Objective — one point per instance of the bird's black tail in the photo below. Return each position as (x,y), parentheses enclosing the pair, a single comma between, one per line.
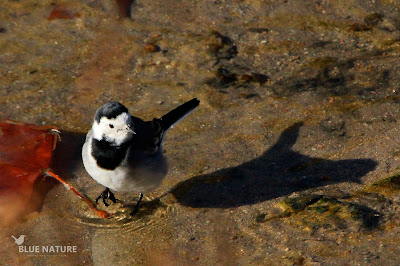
(176,115)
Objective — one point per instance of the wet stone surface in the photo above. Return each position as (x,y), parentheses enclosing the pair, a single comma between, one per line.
(292,157)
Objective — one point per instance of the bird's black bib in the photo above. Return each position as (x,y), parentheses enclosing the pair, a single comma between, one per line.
(107,155)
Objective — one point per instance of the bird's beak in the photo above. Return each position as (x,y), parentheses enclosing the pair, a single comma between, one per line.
(129,129)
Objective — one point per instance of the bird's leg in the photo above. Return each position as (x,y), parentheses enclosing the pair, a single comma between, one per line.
(137,204)
(139,200)
(106,194)
(112,197)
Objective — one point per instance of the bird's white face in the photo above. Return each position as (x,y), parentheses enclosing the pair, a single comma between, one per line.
(115,130)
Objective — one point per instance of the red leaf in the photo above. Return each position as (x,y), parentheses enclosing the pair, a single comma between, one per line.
(25,155)
(25,151)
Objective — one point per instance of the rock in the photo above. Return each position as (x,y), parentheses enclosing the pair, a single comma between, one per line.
(222,47)
(152,48)
(373,19)
(62,12)
(334,125)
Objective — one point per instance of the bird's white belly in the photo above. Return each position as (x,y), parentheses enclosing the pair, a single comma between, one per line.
(121,178)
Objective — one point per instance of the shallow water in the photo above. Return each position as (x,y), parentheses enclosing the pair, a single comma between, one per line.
(279,165)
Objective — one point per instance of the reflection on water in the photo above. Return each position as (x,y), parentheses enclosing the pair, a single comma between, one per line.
(151,212)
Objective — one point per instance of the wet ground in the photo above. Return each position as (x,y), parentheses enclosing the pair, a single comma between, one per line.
(292,157)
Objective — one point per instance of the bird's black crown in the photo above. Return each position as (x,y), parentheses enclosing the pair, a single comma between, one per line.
(110,110)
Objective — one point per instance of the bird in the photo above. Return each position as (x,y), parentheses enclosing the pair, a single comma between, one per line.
(125,153)
(19,240)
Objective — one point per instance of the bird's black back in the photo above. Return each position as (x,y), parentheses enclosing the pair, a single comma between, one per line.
(148,135)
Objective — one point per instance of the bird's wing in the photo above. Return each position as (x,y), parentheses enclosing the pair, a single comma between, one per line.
(148,135)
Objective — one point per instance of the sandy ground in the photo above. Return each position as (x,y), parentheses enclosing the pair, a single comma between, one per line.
(291,159)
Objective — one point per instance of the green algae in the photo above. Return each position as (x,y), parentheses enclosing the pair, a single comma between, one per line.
(299,203)
(316,211)
(387,186)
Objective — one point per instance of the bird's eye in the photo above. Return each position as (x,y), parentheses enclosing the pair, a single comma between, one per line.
(111,125)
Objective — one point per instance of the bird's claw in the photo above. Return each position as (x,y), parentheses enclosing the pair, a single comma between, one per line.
(106,194)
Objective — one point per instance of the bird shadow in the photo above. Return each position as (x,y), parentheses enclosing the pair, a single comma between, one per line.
(277,172)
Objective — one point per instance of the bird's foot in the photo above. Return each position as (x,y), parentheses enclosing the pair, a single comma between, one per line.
(106,194)
(136,208)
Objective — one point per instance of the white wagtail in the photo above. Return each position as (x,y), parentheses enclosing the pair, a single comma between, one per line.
(124,153)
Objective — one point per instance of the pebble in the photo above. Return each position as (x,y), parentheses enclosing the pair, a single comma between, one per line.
(152,48)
